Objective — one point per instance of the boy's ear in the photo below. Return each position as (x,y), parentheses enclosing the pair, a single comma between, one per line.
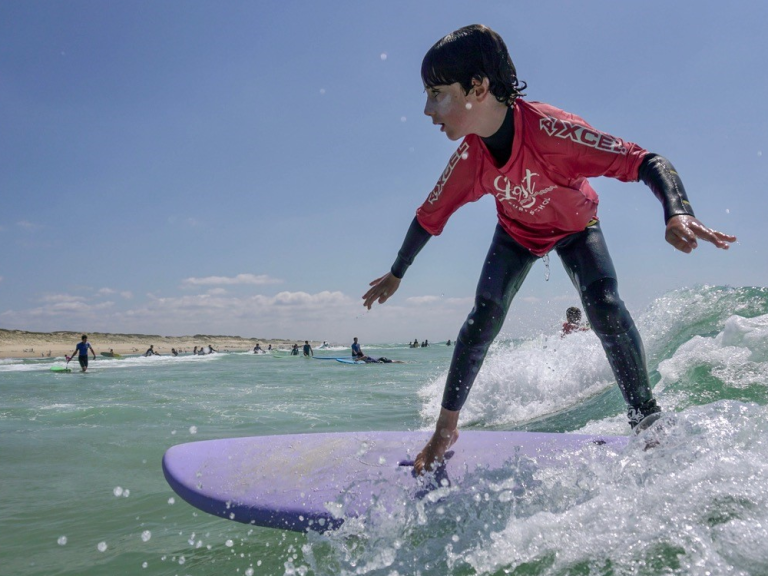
(481,87)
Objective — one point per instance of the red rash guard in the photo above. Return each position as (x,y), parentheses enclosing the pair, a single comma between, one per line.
(542,193)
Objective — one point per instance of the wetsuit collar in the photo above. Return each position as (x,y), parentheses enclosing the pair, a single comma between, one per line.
(499,144)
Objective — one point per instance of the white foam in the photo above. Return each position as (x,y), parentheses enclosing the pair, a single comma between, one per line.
(521,382)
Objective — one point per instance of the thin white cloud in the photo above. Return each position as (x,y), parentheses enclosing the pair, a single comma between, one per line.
(27,225)
(251,279)
(61,298)
(127,294)
(105,291)
(430,300)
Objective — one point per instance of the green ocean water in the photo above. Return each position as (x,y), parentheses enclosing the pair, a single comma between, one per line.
(82,490)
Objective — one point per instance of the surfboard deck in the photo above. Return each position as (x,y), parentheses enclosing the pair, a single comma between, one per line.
(306,482)
(60,369)
(111,355)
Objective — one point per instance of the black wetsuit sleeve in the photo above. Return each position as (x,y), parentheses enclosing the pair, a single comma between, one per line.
(415,240)
(661,177)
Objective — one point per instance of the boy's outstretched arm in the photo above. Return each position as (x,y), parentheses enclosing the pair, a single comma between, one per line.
(683,228)
(384,287)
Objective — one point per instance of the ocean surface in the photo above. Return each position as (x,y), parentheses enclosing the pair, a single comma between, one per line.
(82,490)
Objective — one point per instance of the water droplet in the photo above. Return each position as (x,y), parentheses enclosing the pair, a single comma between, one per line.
(383,56)
(146,535)
(403,119)
(171,500)
(117,491)
(62,541)
(193,429)
(468,105)
(102,546)
(229,543)
(249,572)
(144,564)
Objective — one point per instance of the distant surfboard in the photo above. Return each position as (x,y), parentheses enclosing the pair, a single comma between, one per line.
(60,369)
(111,354)
(314,481)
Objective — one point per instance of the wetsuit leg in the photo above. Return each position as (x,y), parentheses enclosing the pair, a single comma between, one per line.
(506,266)
(586,258)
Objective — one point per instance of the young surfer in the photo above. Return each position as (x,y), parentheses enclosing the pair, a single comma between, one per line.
(535,160)
(572,322)
(81,349)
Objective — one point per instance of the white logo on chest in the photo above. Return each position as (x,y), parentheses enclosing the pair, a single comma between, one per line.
(524,197)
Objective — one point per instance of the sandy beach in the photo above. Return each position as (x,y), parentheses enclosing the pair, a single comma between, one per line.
(22,344)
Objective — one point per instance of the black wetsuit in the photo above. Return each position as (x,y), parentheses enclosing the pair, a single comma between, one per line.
(588,263)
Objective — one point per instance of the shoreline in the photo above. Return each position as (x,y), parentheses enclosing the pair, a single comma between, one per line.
(23,344)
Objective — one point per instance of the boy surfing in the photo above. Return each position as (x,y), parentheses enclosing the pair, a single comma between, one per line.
(535,160)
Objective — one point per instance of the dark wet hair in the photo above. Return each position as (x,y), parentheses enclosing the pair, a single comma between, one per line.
(473,52)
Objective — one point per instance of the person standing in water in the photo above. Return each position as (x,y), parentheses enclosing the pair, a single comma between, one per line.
(81,349)
(535,160)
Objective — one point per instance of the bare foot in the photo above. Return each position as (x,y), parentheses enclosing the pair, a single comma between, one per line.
(432,455)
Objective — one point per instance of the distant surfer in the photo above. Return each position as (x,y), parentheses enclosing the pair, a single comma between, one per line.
(307,349)
(257,349)
(81,349)
(295,350)
(535,160)
(357,351)
(151,351)
(572,322)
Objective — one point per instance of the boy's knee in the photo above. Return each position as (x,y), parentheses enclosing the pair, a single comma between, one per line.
(605,309)
(483,323)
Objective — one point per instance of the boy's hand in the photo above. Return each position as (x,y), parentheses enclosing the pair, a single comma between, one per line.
(382,289)
(682,232)
(446,434)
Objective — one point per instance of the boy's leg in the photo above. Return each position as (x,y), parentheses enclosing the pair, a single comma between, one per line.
(586,258)
(506,266)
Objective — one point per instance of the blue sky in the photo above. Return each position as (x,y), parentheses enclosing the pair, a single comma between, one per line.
(248,167)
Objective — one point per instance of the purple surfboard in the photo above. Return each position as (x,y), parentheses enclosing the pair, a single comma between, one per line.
(314,481)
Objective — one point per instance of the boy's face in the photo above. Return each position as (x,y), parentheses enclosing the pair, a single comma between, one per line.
(450,108)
